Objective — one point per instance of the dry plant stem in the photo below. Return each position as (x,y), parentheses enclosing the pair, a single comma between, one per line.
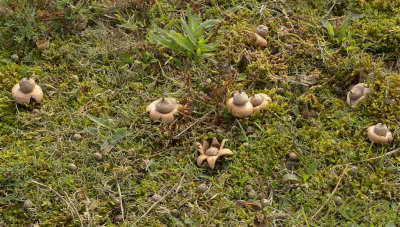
(332,194)
(344,171)
(70,206)
(157,202)
(120,200)
(198,120)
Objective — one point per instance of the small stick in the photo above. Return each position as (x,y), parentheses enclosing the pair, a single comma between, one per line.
(198,120)
(120,201)
(70,206)
(332,194)
(157,202)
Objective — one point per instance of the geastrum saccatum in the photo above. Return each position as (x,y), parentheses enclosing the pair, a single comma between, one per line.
(379,134)
(239,105)
(209,153)
(26,90)
(260,34)
(164,109)
(356,94)
(259,101)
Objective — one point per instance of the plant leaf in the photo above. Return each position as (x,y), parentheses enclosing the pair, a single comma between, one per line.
(204,25)
(183,42)
(100,121)
(188,32)
(312,168)
(119,134)
(165,42)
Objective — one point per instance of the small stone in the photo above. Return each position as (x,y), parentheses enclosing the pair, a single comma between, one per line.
(337,200)
(28,204)
(75,77)
(207,81)
(201,188)
(280,91)
(290,165)
(117,202)
(77,136)
(175,213)
(36,111)
(118,218)
(97,156)
(293,156)
(248,187)
(15,57)
(245,144)
(353,170)
(338,91)
(130,217)
(72,167)
(251,194)
(156,198)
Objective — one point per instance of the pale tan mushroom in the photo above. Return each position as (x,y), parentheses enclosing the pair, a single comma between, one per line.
(356,94)
(26,90)
(210,153)
(239,105)
(164,109)
(262,30)
(379,134)
(259,101)
(260,41)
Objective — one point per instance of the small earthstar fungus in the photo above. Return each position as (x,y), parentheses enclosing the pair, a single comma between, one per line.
(262,30)
(239,105)
(209,153)
(26,90)
(164,109)
(379,134)
(259,101)
(356,94)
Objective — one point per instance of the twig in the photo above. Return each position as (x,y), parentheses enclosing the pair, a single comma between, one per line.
(157,202)
(120,201)
(332,194)
(70,206)
(198,120)
(334,3)
(344,171)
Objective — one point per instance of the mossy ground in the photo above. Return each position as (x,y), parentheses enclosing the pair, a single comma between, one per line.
(107,70)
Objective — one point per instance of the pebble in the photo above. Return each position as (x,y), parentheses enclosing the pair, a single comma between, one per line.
(28,204)
(251,194)
(97,156)
(201,188)
(175,213)
(293,156)
(14,57)
(77,136)
(290,165)
(72,167)
(280,91)
(156,198)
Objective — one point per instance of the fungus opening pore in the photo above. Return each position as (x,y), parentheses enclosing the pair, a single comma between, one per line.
(380,129)
(212,151)
(164,106)
(27,85)
(240,98)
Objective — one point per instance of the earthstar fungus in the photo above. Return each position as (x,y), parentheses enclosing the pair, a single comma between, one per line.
(239,105)
(209,153)
(356,94)
(259,101)
(379,134)
(164,109)
(26,90)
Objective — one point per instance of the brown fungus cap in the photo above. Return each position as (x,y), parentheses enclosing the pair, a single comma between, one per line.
(239,105)
(379,134)
(26,90)
(209,153)
(356,94)
(164,109)
(259,101)
(262,30)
